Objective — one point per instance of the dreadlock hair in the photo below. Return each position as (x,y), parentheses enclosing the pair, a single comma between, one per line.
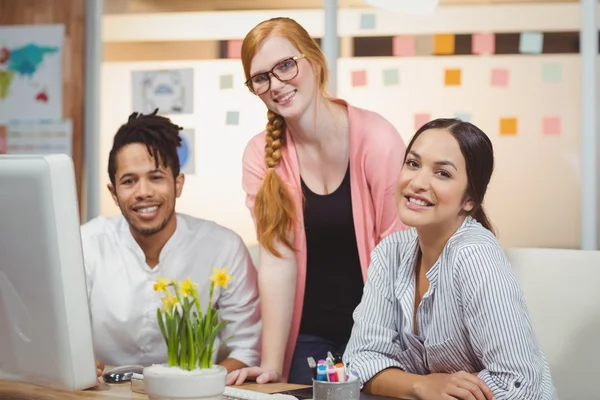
(157,133)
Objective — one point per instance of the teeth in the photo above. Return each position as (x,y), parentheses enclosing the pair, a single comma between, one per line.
(417,202)
(148,209)
(286,97)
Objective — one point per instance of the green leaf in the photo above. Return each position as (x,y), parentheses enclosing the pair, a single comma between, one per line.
(161,325)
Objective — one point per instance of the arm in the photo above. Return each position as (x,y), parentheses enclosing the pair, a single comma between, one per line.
(239,304)
(277,286)
(499,325)
(384,160)
(276,281)
(374,348)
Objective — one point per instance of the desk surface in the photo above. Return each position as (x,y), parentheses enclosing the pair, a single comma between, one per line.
(10,390)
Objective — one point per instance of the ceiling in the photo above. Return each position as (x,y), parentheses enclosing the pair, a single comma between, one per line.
(153,6)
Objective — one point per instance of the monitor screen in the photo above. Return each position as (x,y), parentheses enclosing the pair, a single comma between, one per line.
(45,330)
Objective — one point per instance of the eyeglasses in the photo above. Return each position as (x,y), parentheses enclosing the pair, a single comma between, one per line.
(284,71)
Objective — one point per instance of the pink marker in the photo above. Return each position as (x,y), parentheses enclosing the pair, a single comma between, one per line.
(332,375)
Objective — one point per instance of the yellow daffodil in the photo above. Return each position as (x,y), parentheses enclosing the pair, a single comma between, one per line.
(220,277)
(161,284)
(188,287)
(169,301)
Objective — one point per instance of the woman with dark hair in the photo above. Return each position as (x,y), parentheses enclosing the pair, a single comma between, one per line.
(442,315)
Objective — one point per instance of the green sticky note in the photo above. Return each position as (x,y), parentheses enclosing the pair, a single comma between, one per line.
(531,42)
(226,81)
(391,77)
(551,73)
(232,118)
(465,117)
(367,21)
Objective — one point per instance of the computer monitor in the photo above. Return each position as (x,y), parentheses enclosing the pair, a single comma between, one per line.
(45,329)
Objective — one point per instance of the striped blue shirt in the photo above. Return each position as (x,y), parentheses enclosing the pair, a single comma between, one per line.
(472,318)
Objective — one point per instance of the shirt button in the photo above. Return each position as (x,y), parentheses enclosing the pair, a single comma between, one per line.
(517,384)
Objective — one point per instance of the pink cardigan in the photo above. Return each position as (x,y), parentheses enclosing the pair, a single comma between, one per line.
(376,157)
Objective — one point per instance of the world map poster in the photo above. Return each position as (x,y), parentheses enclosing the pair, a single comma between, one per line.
(31,72)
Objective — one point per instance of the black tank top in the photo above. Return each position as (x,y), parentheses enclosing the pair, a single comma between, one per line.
(334,283)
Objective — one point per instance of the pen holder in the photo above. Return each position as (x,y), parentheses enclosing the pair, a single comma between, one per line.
(349,390)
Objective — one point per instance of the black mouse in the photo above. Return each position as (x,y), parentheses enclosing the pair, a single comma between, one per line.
(121,374)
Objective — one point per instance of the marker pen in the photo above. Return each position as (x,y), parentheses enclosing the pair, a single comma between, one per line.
(313,366)
(322,371)
(332,373)
(341,372)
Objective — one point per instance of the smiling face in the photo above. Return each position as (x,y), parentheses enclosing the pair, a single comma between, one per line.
(432,183)
(144,193)
(292,97)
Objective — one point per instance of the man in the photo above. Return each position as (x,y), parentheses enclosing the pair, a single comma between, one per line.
(124,255)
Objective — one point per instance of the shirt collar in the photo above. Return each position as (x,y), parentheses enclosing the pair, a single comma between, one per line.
(130,241)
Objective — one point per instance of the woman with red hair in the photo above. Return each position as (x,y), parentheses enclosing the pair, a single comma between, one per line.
(320,184)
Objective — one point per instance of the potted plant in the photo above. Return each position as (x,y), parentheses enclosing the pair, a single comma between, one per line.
(190,336)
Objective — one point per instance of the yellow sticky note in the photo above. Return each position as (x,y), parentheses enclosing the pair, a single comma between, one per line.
(508,126)
(453,77)
(443,44)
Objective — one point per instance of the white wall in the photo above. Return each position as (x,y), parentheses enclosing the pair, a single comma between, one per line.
(534,196)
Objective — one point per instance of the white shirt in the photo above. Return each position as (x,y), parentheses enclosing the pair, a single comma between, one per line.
(472,318)
(123,302)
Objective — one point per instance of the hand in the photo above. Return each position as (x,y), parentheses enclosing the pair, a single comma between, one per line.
(458,386)
(262,375)
(99,369)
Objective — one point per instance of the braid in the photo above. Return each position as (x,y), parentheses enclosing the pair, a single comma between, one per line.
(274,206)
(157,133)
(274,139)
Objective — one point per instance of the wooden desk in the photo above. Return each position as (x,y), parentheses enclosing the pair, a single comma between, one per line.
(10,390)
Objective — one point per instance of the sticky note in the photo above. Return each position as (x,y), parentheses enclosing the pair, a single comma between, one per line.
(453,77)
(234,49)
(391,77)
(359,78)
(499,77)
(465,117)
(551,73)
(443,44)
(531,42)
(2,139)
(483,43)
(367,21)
(508,126)
(551,126)
(424,45)
(232,118)
(421,119)
(403,46)
(226,81)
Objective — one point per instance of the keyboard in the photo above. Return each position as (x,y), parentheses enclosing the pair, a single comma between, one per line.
(232,393)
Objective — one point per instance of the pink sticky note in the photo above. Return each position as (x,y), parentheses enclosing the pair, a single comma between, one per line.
(421,119)
(483,43)
(499,77)
(234,49)
(2,139)
(404,46)
(359,78)
(551,126)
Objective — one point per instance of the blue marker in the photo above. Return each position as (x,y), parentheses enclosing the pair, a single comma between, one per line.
(322,371)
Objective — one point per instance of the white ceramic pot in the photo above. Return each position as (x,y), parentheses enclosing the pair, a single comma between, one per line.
(172,383)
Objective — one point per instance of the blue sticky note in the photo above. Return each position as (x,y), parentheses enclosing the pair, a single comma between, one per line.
(391,77)
(465,117)
(531,42)
(367,21)
(226,81)
(551,73)
(232,118)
